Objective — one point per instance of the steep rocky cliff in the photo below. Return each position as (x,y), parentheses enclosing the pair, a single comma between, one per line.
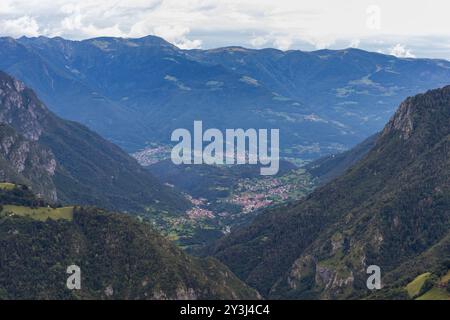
(26,162)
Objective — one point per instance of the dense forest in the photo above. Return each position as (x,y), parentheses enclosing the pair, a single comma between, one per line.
(120,258)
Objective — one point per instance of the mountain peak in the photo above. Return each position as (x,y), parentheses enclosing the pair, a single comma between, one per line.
(152,40)
(418,112)
(112,43)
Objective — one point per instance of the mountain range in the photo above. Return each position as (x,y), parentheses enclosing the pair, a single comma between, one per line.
(385,202)
(135,92)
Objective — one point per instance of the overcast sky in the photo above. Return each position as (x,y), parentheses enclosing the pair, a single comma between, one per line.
(407,28)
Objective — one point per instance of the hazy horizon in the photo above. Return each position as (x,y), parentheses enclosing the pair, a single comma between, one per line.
(404,28)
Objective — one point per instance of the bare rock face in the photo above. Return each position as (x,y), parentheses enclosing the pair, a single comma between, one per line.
(302,268)
(109,291)
(401,121)
(416,115)
(186,294)
(26,162)
(21,109)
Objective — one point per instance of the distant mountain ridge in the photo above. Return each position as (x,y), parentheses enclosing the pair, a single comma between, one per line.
(390,209)
(136,91)
(64,161)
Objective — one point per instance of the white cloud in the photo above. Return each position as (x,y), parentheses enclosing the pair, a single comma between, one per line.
(400,51)
(23,26)
(283,42)
(5,7)
(177,35)
(258,42)
(355,43)
(189,44)
(323,42)
(93,31)
(72,22)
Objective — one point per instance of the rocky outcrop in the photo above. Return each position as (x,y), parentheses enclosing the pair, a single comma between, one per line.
(20,108)
(26,162)
(402,121)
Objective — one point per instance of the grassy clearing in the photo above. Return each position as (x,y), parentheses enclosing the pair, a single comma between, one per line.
(435,294)
(7,186)
(41,214)
(445,279)
(414,286)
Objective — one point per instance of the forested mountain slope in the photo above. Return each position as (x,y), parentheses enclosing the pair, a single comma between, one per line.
(119,256)
(391,209)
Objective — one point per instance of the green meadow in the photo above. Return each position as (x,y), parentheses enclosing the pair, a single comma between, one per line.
(7,186)
(414,286)
(437,292)
(40,213)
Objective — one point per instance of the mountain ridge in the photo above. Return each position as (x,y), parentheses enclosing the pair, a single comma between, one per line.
(119,86)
